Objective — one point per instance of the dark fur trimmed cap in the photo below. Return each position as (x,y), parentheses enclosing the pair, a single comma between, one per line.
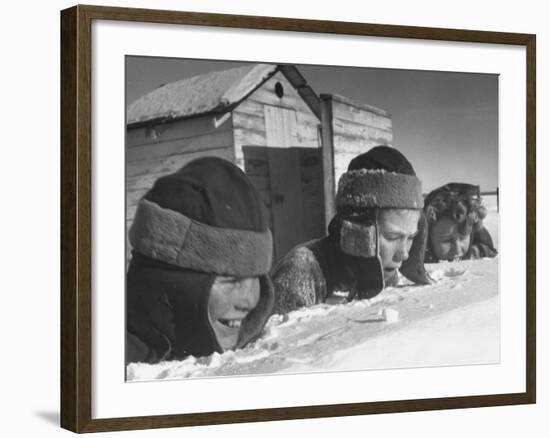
(381,177)
(205,220)
(383,158)
(207,217)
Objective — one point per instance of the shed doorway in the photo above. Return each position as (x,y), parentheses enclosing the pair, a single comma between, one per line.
(290,167)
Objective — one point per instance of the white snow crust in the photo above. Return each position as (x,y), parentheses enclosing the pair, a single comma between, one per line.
(454,321)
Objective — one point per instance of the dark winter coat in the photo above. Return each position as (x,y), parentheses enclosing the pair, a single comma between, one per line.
(310,273)
(167,312)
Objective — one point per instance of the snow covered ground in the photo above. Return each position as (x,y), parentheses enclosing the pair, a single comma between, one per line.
(454,321)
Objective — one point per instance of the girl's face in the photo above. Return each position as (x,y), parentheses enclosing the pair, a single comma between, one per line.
(446,241)
(231,300)
(397,229)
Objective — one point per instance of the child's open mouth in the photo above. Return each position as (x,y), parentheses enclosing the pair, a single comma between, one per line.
(232,323)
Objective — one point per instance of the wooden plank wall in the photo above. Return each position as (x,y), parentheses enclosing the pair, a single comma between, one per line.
(356,129)
(311,175)
(288,203)
(249,130)
(249,122)
(311,185)
(161,149)
(257,169)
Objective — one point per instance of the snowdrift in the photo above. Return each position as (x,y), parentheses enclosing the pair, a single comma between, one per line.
(454,321)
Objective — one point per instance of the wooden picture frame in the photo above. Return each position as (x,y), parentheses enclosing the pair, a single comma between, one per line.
(76,217)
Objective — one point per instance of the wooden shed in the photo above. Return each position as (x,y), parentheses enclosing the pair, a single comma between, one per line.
(291,143)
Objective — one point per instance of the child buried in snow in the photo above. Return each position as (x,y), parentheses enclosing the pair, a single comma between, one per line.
(379,228)
(197,282)
(455,215)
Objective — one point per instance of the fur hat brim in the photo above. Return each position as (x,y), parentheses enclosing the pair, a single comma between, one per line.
(364,188)
(173,238)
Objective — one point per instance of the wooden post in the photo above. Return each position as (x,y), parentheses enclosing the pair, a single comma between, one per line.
(328,156)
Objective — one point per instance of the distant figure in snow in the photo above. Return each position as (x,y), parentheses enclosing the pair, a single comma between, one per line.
(455,216)
(379,228)
(197,282)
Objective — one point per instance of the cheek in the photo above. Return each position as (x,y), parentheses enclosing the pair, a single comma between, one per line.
(218,303)
(250,292)
(386,249)
(465,244)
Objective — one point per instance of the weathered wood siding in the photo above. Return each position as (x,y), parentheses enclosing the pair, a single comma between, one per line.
(241,137)
(249,128)
(158,150)
(310,223)
(249,122)
(356,129)
(311,175)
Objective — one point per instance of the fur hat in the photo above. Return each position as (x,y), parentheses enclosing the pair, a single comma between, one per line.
(203,221)
(382,178)
(379,178)
(460,202)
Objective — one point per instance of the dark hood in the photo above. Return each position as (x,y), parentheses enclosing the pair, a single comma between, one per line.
(167,309)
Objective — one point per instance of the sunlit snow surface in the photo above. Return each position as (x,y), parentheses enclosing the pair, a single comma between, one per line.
(454,321)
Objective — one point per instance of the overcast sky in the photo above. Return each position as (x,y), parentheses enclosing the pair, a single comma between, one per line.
(446,124)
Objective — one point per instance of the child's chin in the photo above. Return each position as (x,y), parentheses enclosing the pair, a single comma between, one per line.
(227,337)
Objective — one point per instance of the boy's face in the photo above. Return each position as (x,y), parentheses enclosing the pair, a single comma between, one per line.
(396,230)
(230,301)
(446,240)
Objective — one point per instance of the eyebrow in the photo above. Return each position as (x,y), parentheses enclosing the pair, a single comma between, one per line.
(452,234)
(399,232)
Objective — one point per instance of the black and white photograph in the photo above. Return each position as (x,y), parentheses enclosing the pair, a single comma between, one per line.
(287,218)
(275,219)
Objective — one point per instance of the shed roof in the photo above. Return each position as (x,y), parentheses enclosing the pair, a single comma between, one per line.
(211,92)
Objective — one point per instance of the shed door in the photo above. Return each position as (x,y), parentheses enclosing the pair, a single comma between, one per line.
(280,125)
(284,175)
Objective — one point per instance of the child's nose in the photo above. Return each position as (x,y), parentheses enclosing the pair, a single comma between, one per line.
(457,248)
(402,253)
(247,295)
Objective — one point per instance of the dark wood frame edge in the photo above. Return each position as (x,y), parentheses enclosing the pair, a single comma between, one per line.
(76,165)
